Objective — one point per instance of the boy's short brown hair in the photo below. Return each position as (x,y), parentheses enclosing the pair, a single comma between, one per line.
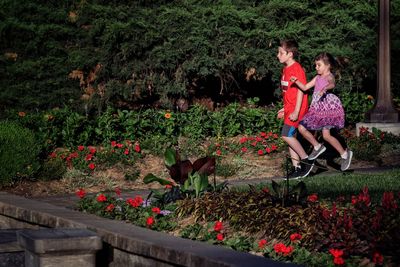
(290,46)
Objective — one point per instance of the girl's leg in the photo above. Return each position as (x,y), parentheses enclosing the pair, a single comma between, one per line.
(308,136)
(326,134)
(318,148)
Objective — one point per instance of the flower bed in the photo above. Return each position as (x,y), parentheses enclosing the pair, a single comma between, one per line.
(347,232)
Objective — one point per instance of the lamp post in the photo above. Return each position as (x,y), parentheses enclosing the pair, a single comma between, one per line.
(383,115)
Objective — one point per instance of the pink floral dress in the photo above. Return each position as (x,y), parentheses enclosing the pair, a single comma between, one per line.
(325,111)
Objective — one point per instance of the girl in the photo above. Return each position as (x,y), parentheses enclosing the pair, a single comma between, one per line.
(325,112)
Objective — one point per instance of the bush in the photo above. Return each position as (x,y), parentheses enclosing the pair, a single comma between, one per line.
(19,152)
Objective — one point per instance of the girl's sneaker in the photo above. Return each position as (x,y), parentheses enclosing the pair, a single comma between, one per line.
(316,153)
(345,164)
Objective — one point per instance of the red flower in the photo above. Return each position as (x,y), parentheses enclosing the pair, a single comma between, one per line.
(244,149)
(156,210)
(260,152)
(118,191)
(338,261)
(262,243)
(218,152)
(81,193)
(81,148)
(92,166)
(268,150)
(312,198)
(110,207)
(101,198)
(120,145)
(280,248)
(126,152)
(53,155)
(168,186)
(150,221)
(336,252)
(92,150)
(265,190)
(377,258)
(220,237)
(137,148)
(218,226)
(243,140)
(113,143)
(295,237)
(274,147)
(136,202)
(388,201)
(89,157)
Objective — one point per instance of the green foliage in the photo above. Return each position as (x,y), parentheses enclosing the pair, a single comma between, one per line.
(19,153)
(172,49)
(52,169)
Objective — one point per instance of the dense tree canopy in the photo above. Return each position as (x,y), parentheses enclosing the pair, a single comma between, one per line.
(125,53)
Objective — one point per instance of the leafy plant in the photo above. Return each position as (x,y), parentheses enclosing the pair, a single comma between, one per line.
(19,153)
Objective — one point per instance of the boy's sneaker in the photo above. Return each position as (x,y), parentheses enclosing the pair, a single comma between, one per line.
(296,174)
(306,167)
(316,153)
(345,163)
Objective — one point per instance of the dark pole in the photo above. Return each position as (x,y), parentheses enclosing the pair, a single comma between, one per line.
(383,110)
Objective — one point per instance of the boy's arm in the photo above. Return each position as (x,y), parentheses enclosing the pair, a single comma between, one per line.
(299,99)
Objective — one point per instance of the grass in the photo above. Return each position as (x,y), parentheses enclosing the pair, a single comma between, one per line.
(332,186)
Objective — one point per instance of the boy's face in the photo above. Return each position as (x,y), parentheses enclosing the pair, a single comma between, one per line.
(284,55)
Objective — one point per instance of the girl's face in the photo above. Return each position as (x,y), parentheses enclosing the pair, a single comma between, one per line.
(322,68)
(283,55)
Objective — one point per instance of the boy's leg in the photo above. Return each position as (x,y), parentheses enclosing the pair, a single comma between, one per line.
(296,151)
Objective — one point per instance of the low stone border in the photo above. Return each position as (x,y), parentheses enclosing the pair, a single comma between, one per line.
(124,244)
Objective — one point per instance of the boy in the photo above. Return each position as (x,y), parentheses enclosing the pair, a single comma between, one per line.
(295,105)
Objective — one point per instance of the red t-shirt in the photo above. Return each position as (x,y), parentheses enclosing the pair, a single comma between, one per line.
(289,92)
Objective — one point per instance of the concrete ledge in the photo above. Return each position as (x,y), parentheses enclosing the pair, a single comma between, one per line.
(393,128)
(149,245)
(58,240)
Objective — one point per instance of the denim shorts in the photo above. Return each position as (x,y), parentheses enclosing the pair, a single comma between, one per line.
(288,130)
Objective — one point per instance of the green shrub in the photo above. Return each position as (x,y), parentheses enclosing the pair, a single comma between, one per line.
(19,152)
(52,169)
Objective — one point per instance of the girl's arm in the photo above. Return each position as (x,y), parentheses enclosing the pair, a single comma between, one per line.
(301,85)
